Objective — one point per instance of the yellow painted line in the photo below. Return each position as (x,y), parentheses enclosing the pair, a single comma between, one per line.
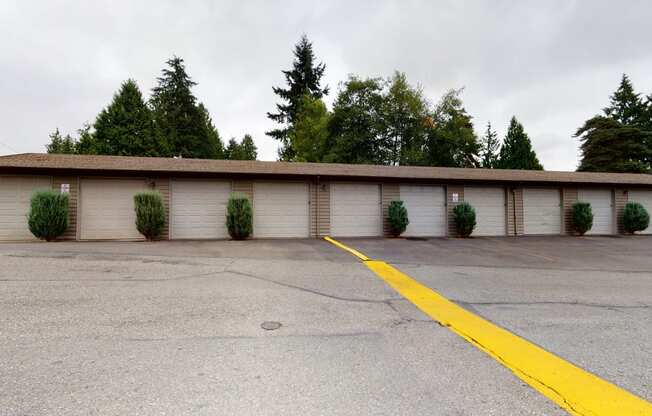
(579,392)
(346,248)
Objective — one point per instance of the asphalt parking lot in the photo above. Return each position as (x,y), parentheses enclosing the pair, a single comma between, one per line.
(175,327)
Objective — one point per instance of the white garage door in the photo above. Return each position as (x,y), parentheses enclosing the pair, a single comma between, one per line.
(107,208)
(489,204)
(15,195)
(355,210)
(281,209)
(645,199)
(426,207)
(198,208)
(602,207)
(541,211)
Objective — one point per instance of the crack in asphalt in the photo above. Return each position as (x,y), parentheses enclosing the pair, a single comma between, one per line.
(312,291)
(516,267)
(574,303)
(238,337)
(507,364)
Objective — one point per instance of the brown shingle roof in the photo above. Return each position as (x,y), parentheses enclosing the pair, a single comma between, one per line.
(98,164)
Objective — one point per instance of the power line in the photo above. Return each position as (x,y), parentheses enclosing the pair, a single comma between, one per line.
(9,147)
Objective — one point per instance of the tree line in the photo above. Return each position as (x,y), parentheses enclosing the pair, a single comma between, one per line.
(172,123)
(386,122)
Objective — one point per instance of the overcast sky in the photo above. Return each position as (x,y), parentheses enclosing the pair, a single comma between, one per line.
(553,64)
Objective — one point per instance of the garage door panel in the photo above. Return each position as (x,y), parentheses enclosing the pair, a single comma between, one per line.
(602,206)
(355,210)
(489,204)
(281,210)
(644,198)
(107,208)
(198,208)
(541,211)
(426,207)
(15,196)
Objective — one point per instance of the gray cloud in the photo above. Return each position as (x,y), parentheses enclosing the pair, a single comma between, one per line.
(552,64)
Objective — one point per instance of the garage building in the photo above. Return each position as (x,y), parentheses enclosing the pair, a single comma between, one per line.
(301,200)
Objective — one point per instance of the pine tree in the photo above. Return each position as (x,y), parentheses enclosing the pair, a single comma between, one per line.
(245,150)
(248,149)
(179,120)
(626,106)
(232,150)
(490,147)
(608,146)
(61,145)
(517,152)
(126,127)
(647,119)
(213,135)
(303,79)
(621,140)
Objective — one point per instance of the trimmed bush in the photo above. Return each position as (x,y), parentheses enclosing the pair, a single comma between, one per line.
(48,214)
(239,217)
(582,217)
(635,217)
(397,217)
(464,216)
(150,214)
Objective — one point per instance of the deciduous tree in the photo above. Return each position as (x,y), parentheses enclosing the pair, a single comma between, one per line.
(310,137)
(451,140)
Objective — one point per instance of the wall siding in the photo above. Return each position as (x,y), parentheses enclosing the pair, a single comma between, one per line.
(389,193)
(569,197)
(620,199)
(73,198)
(515,222)
(320,209)
(450,190)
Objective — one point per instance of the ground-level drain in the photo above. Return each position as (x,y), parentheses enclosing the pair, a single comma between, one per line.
(270,325)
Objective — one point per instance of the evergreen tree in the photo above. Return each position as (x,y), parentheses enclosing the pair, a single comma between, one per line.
(645,123)
(303,79)
(451,139)
(246,150)
(232,151)
(125,127)
(61,145)
(608,146)
(213,135)
(621,140)
(179,120)
(517,152)
(626,106)
(86,142)
(490,147)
